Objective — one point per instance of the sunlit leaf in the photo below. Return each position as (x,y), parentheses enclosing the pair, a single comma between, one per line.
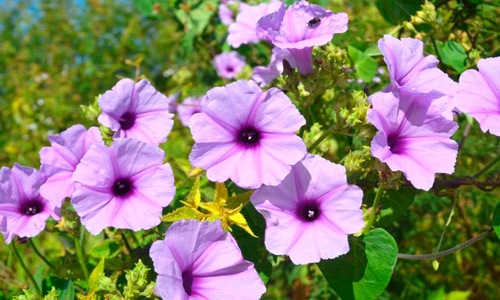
(365,271)
(98,270)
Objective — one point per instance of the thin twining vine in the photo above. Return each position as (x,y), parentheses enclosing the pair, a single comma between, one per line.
(446,252)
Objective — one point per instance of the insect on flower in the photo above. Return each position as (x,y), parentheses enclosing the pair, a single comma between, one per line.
(313,22)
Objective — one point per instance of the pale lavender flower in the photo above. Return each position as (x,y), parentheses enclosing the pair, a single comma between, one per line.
(59,161)
(310,214)
(479,94)
(413,137)
(123,186)
(23,211)
(198,260)
(246,135)
(410,70)
(265,75)
(136,110)
(172,103)
(299,28)
(188,107)
(226,16)
(243,31)
(229,64)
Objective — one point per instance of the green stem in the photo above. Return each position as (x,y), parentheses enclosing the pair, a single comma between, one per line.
(486,168)
(436,47)
(31,278)
(319,140)
(81,259)
(446,252)
(125,241)
(42,257)
(378,196)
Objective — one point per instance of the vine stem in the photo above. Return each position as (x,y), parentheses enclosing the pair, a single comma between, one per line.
(378,196)
(320,139)
(81,259)
(125,242)
(446,252)
(31,278)
(42,257)
(485,169)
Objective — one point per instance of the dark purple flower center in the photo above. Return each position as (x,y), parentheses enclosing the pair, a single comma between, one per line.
(127,120)
(308,211)
(230,69)
(395,144)
(249,136)
(187,281)
(31,207)
(122,187)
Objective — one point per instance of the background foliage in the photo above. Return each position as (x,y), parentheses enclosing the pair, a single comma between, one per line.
(58,55)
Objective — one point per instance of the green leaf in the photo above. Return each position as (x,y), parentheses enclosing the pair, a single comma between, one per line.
(182,213)
(453,55)
(68,292)
(457,295)
(397,11)
(99,269)
(366,66)
(365,271)
(106,249)
(437,294)
(496,220)
(395,203)
(237,200)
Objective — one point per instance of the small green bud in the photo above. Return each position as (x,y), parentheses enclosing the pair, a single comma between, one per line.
(302,90)
(137,282)
(93,110)
(28,295)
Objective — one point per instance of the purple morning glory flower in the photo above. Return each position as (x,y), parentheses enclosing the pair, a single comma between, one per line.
(310,214)
(299,28)
(265,75)
(136,110)
(229,64)
(123,186)
(413,137)
(410,70)
(479,94)
(225,14)
(23,211)
(188,107)
(246,135)
(243,31)
(59,161)
(198,260)
(172,103)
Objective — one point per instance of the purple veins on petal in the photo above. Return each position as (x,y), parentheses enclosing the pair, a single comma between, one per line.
(479,94)
(413,137)
(136,110)
(23,212)
(246,135)
(299,28)
(197,260)
(411,71)
(243,30)
(310,214)
(124,186)
(59,161)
